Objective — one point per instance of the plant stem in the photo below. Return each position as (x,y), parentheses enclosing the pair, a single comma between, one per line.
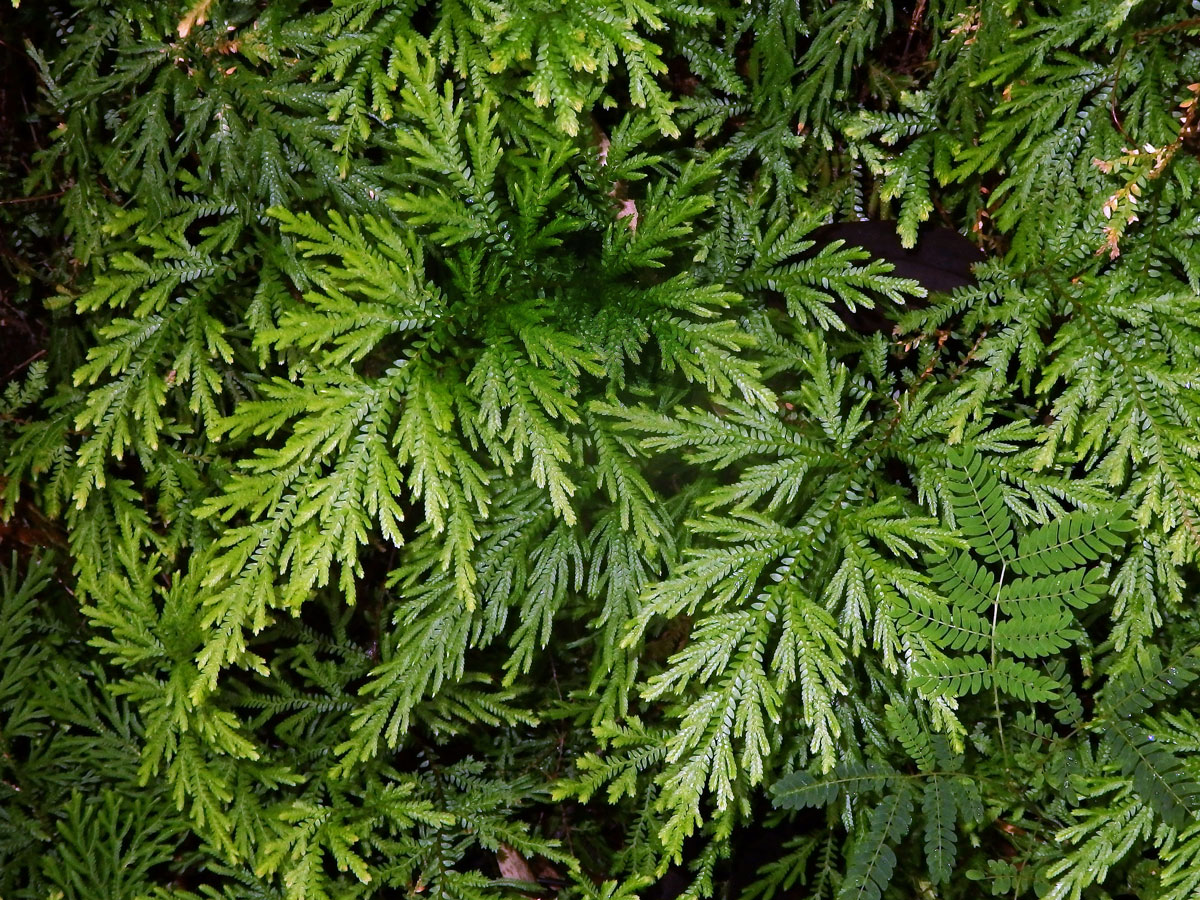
(992,664)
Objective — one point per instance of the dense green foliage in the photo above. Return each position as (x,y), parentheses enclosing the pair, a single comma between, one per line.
(469,470)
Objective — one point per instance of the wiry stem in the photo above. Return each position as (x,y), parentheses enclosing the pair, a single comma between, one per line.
(992,662)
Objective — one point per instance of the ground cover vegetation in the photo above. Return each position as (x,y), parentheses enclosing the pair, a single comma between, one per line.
(442,457)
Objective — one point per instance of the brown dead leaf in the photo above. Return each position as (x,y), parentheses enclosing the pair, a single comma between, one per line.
(627,209)
(548,875)
(513,865)
(602,146)
(194,17)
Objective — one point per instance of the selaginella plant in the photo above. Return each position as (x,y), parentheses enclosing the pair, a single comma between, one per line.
(474,477)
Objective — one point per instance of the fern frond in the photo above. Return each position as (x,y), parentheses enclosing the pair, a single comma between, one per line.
(939,812)
(1024,682)
(1078,588)
(872,861)
(800,789)
(1148,681)
(1159,776)
(913,738)
(954,677)
(1036,634)
(1070,541)
(947,627)
(969,585)
(979,506)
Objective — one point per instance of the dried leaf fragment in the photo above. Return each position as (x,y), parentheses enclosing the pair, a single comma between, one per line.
(194,17)
(628,209)
(513,865)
